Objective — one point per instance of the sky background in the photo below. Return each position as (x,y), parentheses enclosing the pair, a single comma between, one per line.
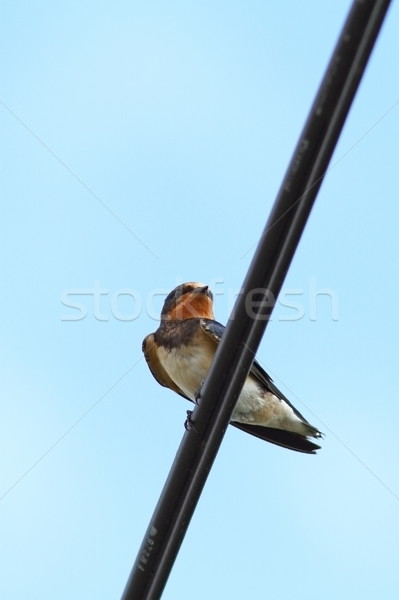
(143,146)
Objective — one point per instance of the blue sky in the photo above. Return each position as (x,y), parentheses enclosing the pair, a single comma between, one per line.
(143,146)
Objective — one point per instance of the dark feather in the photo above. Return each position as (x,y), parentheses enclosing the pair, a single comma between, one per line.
(293,441)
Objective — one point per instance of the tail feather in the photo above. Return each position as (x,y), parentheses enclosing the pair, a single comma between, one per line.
(287,439)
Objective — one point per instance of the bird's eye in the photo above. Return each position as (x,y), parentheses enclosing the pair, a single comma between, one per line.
(186,289)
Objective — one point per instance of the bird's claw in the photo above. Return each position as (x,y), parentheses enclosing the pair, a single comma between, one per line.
(188,424)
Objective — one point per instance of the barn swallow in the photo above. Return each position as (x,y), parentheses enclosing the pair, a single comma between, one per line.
(180,353)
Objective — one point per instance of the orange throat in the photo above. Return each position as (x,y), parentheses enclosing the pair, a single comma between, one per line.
(195,306)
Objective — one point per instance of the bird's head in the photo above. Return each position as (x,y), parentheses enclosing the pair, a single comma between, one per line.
(188,301)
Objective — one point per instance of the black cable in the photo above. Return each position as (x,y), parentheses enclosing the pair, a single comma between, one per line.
(256,301)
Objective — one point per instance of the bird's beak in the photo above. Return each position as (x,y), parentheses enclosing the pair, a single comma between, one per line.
(204,289)
(201,290)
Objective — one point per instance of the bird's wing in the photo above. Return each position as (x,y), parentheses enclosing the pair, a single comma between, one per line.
(293,441)
(159,373)
(215,331)
(267,381)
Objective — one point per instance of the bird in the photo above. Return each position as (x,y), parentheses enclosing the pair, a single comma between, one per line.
(179,354)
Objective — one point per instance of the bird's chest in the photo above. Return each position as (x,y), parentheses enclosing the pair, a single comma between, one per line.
(187,366)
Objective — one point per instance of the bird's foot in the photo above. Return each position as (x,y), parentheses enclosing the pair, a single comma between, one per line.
(188,424)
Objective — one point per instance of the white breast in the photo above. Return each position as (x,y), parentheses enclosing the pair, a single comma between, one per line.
(188,370)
